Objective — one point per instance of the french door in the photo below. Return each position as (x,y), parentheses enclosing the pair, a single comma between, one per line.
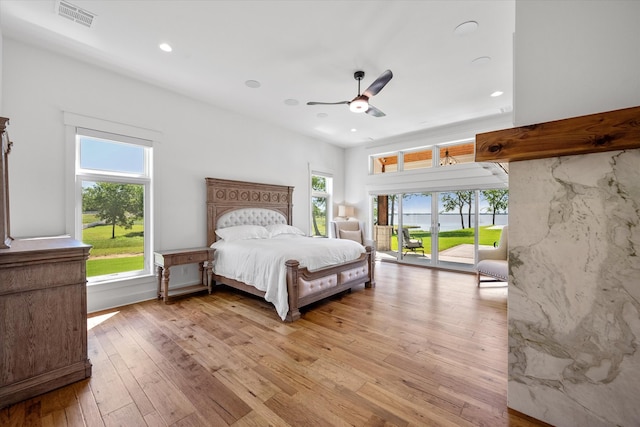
(435,229)
(457,229)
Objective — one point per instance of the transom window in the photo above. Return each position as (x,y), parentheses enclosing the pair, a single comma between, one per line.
(423,158)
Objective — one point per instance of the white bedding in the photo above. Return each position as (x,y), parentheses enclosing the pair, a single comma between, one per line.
(261,262)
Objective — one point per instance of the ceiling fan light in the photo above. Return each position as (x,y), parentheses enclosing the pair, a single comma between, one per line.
(359,105)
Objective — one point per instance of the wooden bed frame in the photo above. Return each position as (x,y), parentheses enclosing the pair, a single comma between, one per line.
(224,196)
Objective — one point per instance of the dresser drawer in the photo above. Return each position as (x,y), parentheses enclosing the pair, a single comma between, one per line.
(41,276)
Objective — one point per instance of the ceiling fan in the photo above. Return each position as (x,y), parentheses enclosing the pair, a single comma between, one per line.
(360,104)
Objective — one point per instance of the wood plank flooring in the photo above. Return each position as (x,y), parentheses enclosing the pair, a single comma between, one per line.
(424,347)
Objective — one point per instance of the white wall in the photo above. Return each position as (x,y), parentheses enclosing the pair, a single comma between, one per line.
(573,290)
(198,141)
(574,58)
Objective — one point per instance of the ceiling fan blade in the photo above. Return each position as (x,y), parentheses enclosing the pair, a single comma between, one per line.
(378,84)
(373,111)
(327,103)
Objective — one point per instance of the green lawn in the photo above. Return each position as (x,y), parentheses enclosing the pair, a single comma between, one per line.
(127,242)
(89,218)
(449,239)
(104,266)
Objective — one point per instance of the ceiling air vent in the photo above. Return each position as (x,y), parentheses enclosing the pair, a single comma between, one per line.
(75,13)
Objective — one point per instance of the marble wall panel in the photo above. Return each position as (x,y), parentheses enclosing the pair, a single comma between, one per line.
(574,290)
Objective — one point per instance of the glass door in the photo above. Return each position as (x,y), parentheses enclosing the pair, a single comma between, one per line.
(456,231)
(415,228)
(439,228)
(385,217)
(493,216)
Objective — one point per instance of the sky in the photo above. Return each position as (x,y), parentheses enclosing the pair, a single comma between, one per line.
(111,156)
(422,204)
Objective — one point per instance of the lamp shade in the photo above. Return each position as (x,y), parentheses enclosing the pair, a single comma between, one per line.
(345,211)
(350,211)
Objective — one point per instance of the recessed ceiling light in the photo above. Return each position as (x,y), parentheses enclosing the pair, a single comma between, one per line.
(465,28)
(354,130)
(497,93)
(322,115)
(291,102)
(165,47)
(254,84)
(482,60)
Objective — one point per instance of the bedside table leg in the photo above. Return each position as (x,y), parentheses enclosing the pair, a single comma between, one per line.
(159,273)
(165,284)
(209,271)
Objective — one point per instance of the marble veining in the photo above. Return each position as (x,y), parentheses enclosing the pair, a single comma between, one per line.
(574,291)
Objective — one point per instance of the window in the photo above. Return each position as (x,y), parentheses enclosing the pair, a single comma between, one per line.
(419,159)
(321,189)
(422,158)
(113,193)
(385,163)
(456,154)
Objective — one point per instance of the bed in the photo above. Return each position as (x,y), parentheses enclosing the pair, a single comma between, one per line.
(248,207)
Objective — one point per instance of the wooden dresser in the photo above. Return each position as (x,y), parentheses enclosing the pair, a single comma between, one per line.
(43,317)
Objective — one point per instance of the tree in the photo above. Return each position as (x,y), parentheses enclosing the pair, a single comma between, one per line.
(392,208)
(468,198)
(457,200)
(392,205)
(115,204)
(498,201)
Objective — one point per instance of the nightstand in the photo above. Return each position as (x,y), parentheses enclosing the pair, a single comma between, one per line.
(164,260)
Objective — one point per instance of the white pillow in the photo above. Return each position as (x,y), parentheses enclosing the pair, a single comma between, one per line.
(276,229)
(242,232)
(356,235)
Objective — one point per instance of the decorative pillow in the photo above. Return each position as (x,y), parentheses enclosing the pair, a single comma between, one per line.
(276,229)
(348,225)
(356,236)
(242,232)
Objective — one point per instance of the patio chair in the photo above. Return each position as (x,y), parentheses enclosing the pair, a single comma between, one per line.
(409,244)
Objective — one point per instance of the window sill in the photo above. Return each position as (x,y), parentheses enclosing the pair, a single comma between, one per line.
(121,281)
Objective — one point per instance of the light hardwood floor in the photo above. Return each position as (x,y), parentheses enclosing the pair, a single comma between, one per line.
(424,347)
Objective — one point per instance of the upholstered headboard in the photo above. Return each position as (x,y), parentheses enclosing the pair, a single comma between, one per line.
(252,216)
(249,200)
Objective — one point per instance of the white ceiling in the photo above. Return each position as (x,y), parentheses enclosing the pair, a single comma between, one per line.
(301,50)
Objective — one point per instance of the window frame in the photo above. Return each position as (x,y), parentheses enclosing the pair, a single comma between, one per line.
(94,175)
(327,195)
(76,126)
(399,162)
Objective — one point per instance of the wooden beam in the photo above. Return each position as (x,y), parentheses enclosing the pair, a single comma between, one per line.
(383,210)
(594,133)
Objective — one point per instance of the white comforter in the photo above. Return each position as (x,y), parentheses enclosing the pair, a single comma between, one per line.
(260,262)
